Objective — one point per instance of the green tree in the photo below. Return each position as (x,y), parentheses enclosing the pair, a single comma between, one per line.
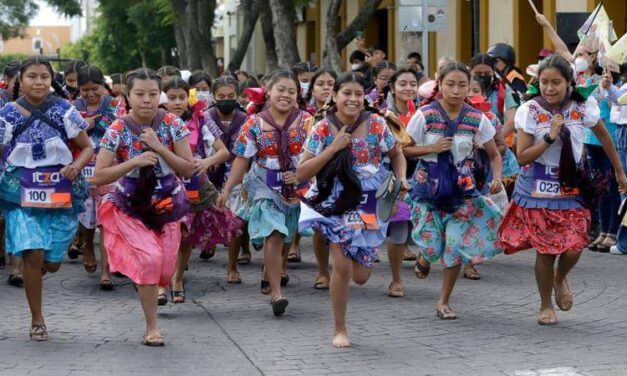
(126,35)
(17,13)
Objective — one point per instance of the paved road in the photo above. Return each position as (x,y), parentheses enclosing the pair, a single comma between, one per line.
(230,330)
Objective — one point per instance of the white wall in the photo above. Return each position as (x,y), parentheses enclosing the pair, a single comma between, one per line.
(571,5)
(501,27)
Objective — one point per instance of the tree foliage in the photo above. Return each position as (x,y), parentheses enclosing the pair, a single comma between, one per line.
(127,35)
(15,14)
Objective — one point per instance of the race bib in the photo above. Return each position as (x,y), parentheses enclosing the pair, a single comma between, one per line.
(546,183)
(192,186)
(365,216)
(90,171)
(45,187)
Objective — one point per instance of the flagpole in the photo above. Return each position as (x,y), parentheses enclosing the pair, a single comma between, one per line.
(594,17)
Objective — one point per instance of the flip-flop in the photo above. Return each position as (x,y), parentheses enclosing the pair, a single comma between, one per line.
(163,299)
(16,280)
(206,255)
(397,292)
(448,315)
(178,296)
(244,259)
(153,342)
(285,279)
(106,285)
(90,268)
(265,287)
(321,284)
(294,257)
(472,274)
(73,252)
(236,280)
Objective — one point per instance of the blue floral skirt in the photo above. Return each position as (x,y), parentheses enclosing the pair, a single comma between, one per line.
(466,236)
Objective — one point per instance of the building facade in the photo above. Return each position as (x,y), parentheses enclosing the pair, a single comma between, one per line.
(38,39)
(469,26)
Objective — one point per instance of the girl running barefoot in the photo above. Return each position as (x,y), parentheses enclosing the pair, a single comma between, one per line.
(273,138)
(206,225)
(452,222)
(99,111)
(345,151)
(141,217)
(41,190)
(549,209)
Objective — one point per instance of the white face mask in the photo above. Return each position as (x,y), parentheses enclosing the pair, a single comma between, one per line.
(355,67)
(304,89)
(205,96)
(581,65)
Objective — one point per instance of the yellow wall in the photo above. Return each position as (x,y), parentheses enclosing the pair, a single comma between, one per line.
(53,37)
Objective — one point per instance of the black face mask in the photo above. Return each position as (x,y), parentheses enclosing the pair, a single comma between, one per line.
(486,81)
(226,106)
(72,90)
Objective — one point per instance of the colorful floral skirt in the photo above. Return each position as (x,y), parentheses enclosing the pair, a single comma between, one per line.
(549,231)
(207,228)
(465,236)
(144,256)
(49,229)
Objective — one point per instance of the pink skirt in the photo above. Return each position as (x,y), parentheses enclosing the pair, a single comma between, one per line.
(549,231)
(144,256)
(208,228)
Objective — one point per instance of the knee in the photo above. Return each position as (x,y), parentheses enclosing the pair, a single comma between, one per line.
(360,279)
(342,270)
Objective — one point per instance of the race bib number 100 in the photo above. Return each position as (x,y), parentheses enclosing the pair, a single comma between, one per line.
(45,187)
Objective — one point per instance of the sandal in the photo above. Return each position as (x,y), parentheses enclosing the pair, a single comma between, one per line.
(322,283)
(420,270)
(265,287)
(409,255)
(471,273)
(397,292)
(606,244)
(153,342)
(163,299)
(206,255)
(445,314)
(547,318)
(245,258)
(15,280)
(285,279)
(38,332)
(294,257)
(233,278)
(279,305)
(106,284)
(595,243)
(74,251)
(564,300)
(178,296)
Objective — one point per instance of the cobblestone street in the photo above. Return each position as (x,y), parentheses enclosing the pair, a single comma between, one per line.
(229,329)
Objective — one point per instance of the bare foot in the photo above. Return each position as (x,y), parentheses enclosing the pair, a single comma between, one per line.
(547,316)
(340,339)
